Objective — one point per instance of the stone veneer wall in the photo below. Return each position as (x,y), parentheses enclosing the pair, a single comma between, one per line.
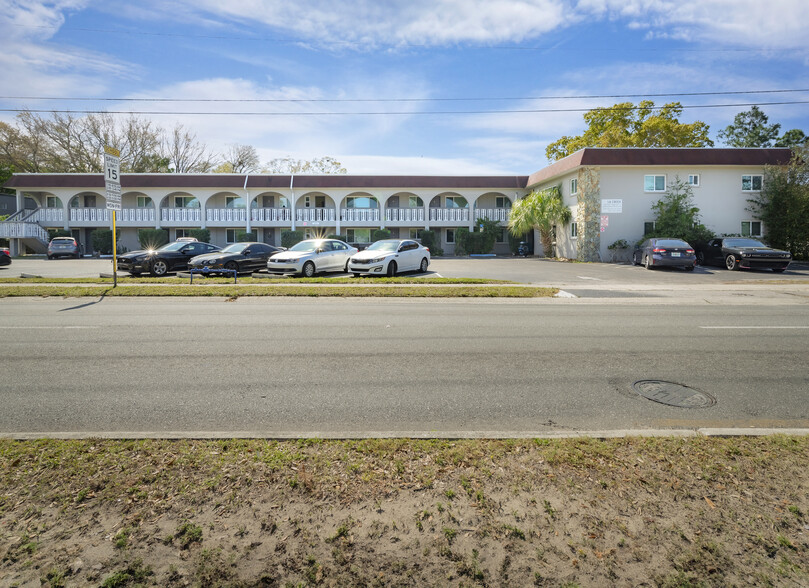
(588,218)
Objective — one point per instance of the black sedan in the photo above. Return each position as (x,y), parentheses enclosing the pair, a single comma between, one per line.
(242,257)
(665,253)
(742,252)
(5,256)
(168,258)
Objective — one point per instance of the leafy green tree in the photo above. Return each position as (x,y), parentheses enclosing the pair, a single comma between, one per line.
(783,204)
(751,128)
(627,125)
(676,216)
(540,210)
(792,138)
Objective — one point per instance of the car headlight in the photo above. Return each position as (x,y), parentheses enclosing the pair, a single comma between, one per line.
(745,254)
(377,260)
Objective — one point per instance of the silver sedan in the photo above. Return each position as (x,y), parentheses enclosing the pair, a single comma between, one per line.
(312,256)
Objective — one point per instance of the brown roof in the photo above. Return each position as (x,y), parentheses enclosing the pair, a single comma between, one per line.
(236,181)
(664,156)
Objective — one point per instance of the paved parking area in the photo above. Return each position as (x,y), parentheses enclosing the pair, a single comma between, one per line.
(540,271)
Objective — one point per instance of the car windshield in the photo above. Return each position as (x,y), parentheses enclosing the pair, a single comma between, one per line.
(672,243)
(176,246)
(306,246)
(383,246)
(743,243)
(235,248)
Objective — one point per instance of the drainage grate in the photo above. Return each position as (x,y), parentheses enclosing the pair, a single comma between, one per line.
(673,394)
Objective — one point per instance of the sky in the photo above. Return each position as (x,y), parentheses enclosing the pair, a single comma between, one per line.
(455,87)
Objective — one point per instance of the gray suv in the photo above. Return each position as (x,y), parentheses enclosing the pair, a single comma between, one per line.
(63,246)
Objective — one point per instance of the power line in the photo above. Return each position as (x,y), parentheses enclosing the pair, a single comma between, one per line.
(357,100)
(387,113)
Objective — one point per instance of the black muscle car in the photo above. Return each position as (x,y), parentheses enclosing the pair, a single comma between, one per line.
(742,252)
(242,257)
(168,258)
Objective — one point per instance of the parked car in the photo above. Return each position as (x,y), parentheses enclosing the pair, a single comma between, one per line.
(665,253)
(5,256)
(311,256)
(389,256)
(63,246)
(742,252)
(241,257)
(170,257)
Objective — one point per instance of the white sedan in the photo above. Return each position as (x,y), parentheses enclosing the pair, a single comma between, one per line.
(312,256)
(389,256)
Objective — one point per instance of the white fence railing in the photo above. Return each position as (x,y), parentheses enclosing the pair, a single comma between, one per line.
(90,215)
(495,214)
(271,215)
(180,215)
(406,215)
(49,215)
(449,215)
(315,215)
(136,215)
(20,230)
(226,215)
(359,215)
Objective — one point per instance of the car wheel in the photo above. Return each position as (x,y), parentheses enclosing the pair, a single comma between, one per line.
(50,257)
(635,259)
(232,265)
(730,263)
(689,268)
(424,264)
(345,269)
(356,275)
(700,258)
(308,269)
(159,267)
(76,255)
(648,263)
(778,270)
(391,269)
(134,274)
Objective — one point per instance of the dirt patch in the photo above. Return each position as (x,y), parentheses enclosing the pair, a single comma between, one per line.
(625,512)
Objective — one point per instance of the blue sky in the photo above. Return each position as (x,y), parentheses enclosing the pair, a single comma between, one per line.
(421,86)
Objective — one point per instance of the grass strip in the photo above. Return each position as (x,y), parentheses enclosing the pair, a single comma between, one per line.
(233,290)
(266,280)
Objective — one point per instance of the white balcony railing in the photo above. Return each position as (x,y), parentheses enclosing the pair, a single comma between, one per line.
(359,215)
(49,215)
(449,215)
(22,230)
(90,215)
(303,215)
(180,215)
(404,215)
(271,215)
(495,214)
(145,216)
(226,215)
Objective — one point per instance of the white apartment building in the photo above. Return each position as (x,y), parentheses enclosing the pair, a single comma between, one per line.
(609,191)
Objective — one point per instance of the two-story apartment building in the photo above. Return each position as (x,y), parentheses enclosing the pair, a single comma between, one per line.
(609,191)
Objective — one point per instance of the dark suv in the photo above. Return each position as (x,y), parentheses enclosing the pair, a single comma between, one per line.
(63,246)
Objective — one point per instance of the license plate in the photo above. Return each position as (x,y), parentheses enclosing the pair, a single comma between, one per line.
(675,254)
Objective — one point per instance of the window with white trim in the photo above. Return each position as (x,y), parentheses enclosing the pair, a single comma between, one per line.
(416,234)
(574,230)
(502,236)
(234,202)
(178,233)
(654,183)
(185,202)
(450,235)
(648,227)
(52,202)
(751,228)
(502,202)
(144,202)
(752,183)
(457,202)
(693,180)
(230,235)
(574,186)
(358,235)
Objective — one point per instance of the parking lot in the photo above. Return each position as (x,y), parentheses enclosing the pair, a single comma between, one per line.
(530,270)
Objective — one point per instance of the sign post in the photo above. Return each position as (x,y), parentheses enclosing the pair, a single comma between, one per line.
(112,184)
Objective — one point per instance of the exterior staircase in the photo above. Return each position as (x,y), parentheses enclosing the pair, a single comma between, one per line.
(29,233)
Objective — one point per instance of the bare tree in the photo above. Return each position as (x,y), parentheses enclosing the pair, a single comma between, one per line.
(185,153)
(239,159)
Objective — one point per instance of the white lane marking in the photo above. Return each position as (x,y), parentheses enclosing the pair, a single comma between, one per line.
(589,278)
(563,294)
(77,327)
(791,327)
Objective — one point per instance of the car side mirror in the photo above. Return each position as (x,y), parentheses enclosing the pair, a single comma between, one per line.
(247,252)
(320,250)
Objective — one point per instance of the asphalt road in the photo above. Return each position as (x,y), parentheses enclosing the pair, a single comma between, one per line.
(357,367)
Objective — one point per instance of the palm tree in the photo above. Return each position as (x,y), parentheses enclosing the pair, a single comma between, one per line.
(540,210)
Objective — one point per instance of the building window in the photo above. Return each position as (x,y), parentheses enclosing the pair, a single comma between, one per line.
(416,234)
(415,202)
(693,179)
(234,202)
(143,201)
(502,236)
(182,233)
(751,183)
(361,202)
(574,186)
(456,202)
(751,228)
(654,183)
(450,235)
(52,202)
(230,235)
(185,202)
(502,202)
(358,235)
(648,227)
(574,230)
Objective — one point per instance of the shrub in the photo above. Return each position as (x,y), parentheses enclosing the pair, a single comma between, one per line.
(243,237)
(515,240)
(203,235)
(102,240)
(290,238)
(343,238)
(380,234)
(152,238)
(430,240)
(58,233)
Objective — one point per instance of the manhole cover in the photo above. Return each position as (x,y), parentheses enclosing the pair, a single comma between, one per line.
(673,394)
